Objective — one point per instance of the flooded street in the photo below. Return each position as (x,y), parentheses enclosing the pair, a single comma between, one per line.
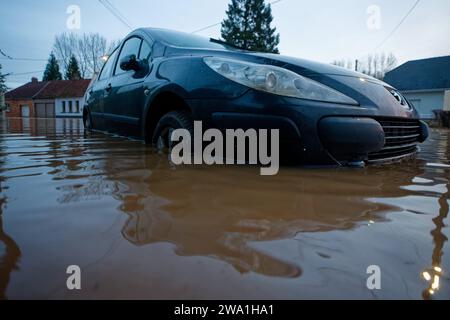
(140,228)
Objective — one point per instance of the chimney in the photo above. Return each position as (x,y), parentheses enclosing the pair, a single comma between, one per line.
(34,80)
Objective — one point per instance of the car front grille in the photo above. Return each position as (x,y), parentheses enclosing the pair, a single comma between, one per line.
(402,137)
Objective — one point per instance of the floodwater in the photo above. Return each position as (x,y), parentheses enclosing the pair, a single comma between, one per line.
(141,229)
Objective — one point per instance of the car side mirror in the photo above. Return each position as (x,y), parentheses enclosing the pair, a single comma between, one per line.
(130,62)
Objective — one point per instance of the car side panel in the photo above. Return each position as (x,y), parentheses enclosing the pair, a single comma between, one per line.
(124,103)
(96,103)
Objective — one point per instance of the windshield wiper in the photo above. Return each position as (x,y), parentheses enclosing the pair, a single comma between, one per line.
(226,44)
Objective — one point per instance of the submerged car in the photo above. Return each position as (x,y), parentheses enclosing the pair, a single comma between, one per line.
(159,80)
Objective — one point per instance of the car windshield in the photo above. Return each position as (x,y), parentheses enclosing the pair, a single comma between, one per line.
(186,40)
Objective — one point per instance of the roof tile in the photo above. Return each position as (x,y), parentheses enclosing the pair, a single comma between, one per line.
(50,90)
(26,91)
(426,74)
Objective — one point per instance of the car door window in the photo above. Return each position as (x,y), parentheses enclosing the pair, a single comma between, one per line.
(146,51)
(106,71)
(131,46)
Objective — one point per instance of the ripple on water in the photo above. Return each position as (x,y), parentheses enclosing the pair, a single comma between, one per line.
(119,209)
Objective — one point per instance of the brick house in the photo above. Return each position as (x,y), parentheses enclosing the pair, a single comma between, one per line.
(47,99)
(19,102)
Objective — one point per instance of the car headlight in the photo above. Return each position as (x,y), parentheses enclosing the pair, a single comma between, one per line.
(275,80)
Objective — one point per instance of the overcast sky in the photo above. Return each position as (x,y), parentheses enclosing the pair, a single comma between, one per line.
(321,30)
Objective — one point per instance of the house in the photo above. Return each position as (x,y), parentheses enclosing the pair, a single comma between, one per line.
(19,102)
(425,83)
(47,99)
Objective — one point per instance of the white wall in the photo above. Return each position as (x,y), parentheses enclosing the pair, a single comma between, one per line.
(447,101)
(59,106)
(426,102)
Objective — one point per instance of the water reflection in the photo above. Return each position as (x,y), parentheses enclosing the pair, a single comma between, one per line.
(44,127)
(229,214)
(434,273)
(9,257)
(222,212)
(206,215)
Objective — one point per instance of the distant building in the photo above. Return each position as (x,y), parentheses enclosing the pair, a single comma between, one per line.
(50,99)
(19,102)
(425,83)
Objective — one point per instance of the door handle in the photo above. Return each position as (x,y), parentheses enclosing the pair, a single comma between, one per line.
(108,88)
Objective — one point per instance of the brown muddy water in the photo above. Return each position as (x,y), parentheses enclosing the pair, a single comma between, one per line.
(140,228)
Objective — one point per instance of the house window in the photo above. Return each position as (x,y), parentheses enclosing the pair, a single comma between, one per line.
(24,111)
(63,107)
(77,106)
(70,106)
(8,107)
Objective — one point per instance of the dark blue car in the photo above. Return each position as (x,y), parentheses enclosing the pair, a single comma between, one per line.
(159,80)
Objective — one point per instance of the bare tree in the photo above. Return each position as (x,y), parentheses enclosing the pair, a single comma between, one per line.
(391,62)
(93,47)
(339,63)
(62,48)
(66,46)
(369,64)
(382,64)
(88,49)
(376,65)
(113,45)
(349,64)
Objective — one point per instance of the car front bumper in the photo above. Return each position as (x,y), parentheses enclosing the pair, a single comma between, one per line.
(317,133)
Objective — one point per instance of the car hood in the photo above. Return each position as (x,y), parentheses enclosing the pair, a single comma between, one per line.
(367,91)
(303,67)
(312,68)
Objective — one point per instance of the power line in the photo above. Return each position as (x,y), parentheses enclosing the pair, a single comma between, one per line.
(118,12)
(28,59)
(114,11)
(23,59)
(207,27)
(219,23)
(8,57)
(5,55)
(24,73)
(396,27)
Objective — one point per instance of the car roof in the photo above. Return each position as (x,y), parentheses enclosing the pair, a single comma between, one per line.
(181,39)
(159,33)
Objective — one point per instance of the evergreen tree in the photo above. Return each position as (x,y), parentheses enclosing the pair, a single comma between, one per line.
(52,69)
(73,71)
(3,87)
(248,26)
